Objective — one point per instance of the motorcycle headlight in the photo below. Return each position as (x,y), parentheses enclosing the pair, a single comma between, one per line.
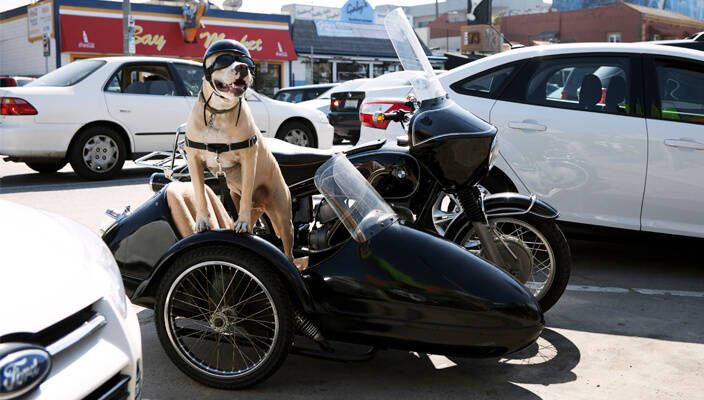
(494,153)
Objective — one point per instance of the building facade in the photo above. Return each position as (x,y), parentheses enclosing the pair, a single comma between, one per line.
(691,8)
(621,22)
(85,29)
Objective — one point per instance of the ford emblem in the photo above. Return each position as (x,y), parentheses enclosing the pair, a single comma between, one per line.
(22,368)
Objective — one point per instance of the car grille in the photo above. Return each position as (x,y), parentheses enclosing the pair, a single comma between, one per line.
(63,334)
(116,388)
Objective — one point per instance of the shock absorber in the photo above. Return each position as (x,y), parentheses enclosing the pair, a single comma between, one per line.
(471,202)
(308,328)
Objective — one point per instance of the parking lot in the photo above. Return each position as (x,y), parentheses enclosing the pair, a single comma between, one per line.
(630,325)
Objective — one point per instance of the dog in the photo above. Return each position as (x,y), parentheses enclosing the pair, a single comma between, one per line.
(222,118)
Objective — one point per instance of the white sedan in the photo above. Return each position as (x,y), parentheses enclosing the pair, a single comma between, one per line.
(68,330)
(97,113)
(612,135)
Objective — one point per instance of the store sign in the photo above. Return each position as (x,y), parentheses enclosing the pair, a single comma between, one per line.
(40,20)
(480,38)
(344,29)
(85,33)
(357,11)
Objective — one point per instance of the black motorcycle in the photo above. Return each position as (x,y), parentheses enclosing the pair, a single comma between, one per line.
(431,178)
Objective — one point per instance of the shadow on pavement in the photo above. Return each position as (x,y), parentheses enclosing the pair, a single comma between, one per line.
(660,264)
(36,182)
(391,374)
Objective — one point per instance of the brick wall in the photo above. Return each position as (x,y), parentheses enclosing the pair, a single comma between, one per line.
(17,55)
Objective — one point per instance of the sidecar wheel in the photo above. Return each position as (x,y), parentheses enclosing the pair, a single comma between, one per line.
(551,263)
(223,317)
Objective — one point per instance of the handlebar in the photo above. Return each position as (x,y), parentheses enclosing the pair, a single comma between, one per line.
(395,116)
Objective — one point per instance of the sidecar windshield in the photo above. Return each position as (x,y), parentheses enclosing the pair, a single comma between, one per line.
(360,208)
(410,53)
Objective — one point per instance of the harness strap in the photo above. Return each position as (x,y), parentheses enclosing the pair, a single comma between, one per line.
(214,110)
(219,148)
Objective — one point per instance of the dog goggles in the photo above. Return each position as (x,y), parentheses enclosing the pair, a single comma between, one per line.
(225,60)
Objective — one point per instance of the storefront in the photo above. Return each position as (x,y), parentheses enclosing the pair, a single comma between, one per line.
(84,29)
(354,45)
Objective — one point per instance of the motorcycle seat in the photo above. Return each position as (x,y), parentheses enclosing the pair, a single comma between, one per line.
(298,163)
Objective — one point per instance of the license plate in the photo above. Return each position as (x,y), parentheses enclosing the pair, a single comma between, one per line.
(351,103)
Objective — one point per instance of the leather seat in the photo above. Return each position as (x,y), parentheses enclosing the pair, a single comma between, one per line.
(299,163)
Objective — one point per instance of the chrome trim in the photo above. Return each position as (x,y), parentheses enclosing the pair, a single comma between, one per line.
(533,199)
(85,330)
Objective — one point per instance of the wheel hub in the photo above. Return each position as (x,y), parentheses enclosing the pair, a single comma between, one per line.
(517,257)
(221,322)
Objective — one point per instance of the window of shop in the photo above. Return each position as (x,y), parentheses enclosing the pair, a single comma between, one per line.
(321,71)
(349,71)
(267,78)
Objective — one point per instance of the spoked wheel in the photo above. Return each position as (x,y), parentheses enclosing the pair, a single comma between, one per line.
(224,318)
(445,209)
(534,249)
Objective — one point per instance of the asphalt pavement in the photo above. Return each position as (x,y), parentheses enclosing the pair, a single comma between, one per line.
(630,325)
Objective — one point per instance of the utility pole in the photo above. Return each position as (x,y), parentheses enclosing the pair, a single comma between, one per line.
(126,31)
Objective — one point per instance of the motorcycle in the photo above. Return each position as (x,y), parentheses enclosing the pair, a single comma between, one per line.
(431,177)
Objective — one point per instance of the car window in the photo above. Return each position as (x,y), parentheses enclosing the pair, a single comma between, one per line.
(484,85)
(681,92)
(69,74)
(291,96)
(191,76)
(144,79)
(597,84)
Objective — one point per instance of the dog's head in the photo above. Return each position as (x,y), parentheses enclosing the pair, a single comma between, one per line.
(229,73)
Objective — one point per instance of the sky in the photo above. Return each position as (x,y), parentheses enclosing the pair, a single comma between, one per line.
(260,6)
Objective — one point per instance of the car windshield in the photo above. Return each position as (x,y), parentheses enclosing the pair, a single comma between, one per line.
(290,96)
(69,74)
(360,208)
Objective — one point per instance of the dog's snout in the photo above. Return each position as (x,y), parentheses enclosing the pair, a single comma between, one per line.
(242,70)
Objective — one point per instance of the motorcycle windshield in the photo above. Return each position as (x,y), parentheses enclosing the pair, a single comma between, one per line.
(410,52)
(355,202)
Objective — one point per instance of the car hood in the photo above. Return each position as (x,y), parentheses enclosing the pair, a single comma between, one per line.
(294,109)
(318,104)
(48,268)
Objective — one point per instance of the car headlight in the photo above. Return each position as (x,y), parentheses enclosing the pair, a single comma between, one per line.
(494,152)
(114,290)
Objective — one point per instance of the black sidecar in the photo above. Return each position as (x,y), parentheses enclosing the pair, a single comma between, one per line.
(228,305)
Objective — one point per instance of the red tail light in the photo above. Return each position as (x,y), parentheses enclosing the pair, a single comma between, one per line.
(371,107)
(16,106)
(334,104)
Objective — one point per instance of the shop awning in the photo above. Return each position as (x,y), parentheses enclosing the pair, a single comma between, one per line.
(103,35)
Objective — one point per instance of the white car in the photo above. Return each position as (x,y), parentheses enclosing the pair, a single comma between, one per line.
(612,135)
(68,330)
(97,113)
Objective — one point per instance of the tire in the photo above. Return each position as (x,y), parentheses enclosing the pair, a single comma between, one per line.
(46,167)
(97,153)
(298,133)
(192,284)
(558,253)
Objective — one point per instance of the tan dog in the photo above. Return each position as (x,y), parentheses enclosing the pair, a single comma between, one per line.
(252,173)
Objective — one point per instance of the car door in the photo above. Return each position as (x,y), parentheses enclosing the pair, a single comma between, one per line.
(674,194)
(142,96)
(581,147)
(260,111)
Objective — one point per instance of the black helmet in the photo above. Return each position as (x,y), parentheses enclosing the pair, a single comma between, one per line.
(226,46)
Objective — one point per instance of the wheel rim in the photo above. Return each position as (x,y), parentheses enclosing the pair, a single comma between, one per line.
(221,319)
(100,153)
(445,209)
(298,137)
(542,272)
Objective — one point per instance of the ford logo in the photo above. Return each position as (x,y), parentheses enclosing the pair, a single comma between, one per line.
(22,368)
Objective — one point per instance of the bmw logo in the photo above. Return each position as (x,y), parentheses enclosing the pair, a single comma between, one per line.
(22,368)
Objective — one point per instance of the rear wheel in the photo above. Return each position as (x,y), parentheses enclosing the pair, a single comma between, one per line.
(46,167)
(223,317)
(534,248)
(297,133)
(98,153)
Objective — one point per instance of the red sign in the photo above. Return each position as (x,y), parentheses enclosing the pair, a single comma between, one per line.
(104,35)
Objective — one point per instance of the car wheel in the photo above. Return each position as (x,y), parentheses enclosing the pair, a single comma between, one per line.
(98,153)
(224,317)
(297,133)
(46,167)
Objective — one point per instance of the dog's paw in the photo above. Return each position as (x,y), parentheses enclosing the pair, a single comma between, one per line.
(203,224)
(242,226)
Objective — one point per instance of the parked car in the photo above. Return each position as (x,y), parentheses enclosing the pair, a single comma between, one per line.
(297,94)
(624,149)
(10,81)
(68,331)
(99,112)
